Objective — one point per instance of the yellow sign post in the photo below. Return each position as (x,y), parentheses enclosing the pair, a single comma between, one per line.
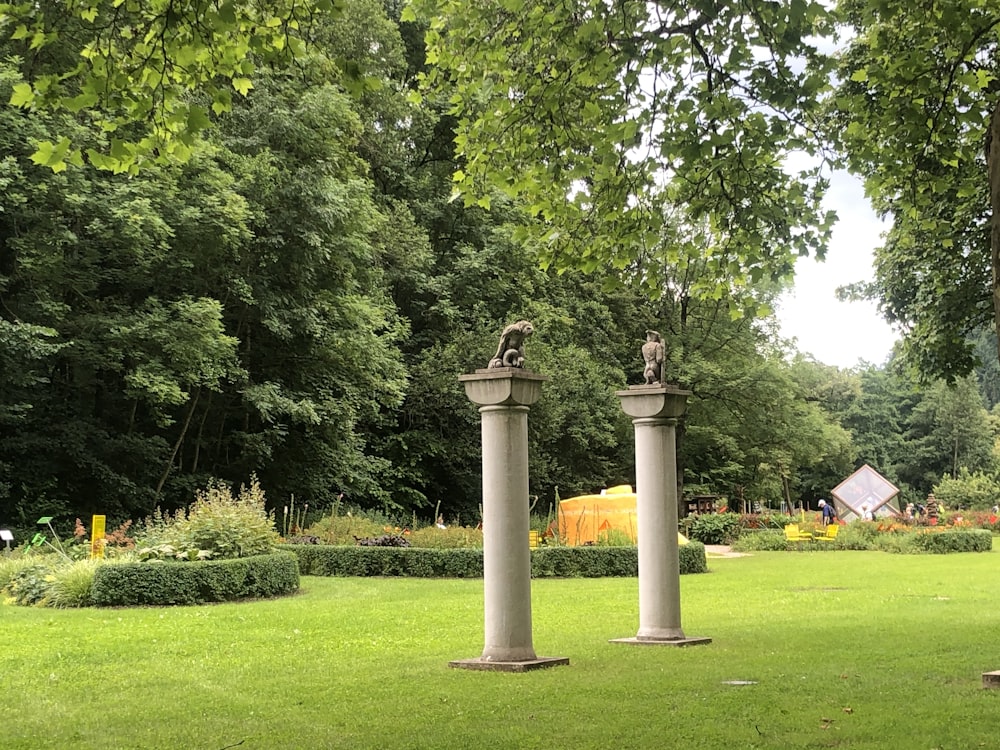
(97,537)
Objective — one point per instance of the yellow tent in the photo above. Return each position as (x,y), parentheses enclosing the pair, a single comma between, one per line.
(583,519)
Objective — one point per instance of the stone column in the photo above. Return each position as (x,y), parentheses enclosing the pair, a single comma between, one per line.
(504,395)
(655,410)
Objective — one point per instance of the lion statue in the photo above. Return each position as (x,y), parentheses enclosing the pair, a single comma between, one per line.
(510,352)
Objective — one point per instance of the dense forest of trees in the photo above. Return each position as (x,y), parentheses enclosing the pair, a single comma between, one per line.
(296,297)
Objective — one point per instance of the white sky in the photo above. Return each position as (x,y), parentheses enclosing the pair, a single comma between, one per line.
(839,333)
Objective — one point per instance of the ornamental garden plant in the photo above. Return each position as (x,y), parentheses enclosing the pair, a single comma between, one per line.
(225,546)
(222,547)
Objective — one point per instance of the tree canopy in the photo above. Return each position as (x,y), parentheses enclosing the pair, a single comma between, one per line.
(918,115)
(131,67)
(296,298)
(614,120)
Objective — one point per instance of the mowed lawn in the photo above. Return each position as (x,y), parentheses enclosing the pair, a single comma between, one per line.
(844,650)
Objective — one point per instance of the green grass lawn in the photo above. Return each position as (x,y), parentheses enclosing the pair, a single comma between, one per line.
(846,650)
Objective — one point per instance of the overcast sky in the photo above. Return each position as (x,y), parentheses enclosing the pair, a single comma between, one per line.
(839,333)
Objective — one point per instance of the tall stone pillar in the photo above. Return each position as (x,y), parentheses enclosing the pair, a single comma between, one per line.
(655,411)
(504,395)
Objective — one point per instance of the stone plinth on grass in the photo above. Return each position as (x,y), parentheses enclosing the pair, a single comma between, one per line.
(484,665)
(504,395)
(655,410)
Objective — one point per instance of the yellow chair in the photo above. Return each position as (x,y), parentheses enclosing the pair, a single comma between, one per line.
(829,534)
(793,534)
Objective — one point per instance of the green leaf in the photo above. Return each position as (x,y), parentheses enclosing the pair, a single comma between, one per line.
(984,78)
(52,155)
(197,119)
(22,95)
(83,101)
(242,85)
(222,102)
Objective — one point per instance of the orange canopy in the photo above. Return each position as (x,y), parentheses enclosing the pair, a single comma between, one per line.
(583,519)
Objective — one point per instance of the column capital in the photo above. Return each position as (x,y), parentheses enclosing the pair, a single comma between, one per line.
(654,402)
(503,386)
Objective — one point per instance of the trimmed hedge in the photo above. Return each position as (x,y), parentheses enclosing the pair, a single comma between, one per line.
(960,540)
(158,582)
(864,536)
(546,562)
(417,562)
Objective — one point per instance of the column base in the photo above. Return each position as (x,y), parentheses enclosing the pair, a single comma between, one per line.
(528,665)
(687,641)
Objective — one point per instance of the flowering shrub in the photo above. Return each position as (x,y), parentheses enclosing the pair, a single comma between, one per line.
(115,542)
(216,525)
(979,519)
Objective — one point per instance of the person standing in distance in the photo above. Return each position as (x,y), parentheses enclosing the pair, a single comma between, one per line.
(829,512)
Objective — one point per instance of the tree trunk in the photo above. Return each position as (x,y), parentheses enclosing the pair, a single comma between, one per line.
(993,170)
(180,441)
(954,460)
(201,432)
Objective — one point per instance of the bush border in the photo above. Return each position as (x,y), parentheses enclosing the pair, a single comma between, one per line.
(419,562)
(132,584)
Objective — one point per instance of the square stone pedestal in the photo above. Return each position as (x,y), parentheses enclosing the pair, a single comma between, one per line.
(694,641)
(483,665)
(991,680)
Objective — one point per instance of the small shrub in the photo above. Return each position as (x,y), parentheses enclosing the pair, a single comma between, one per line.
(29,585)
(11,565)
(336,529)
(858,535)
(765,540)
(713,528)
(453,537)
